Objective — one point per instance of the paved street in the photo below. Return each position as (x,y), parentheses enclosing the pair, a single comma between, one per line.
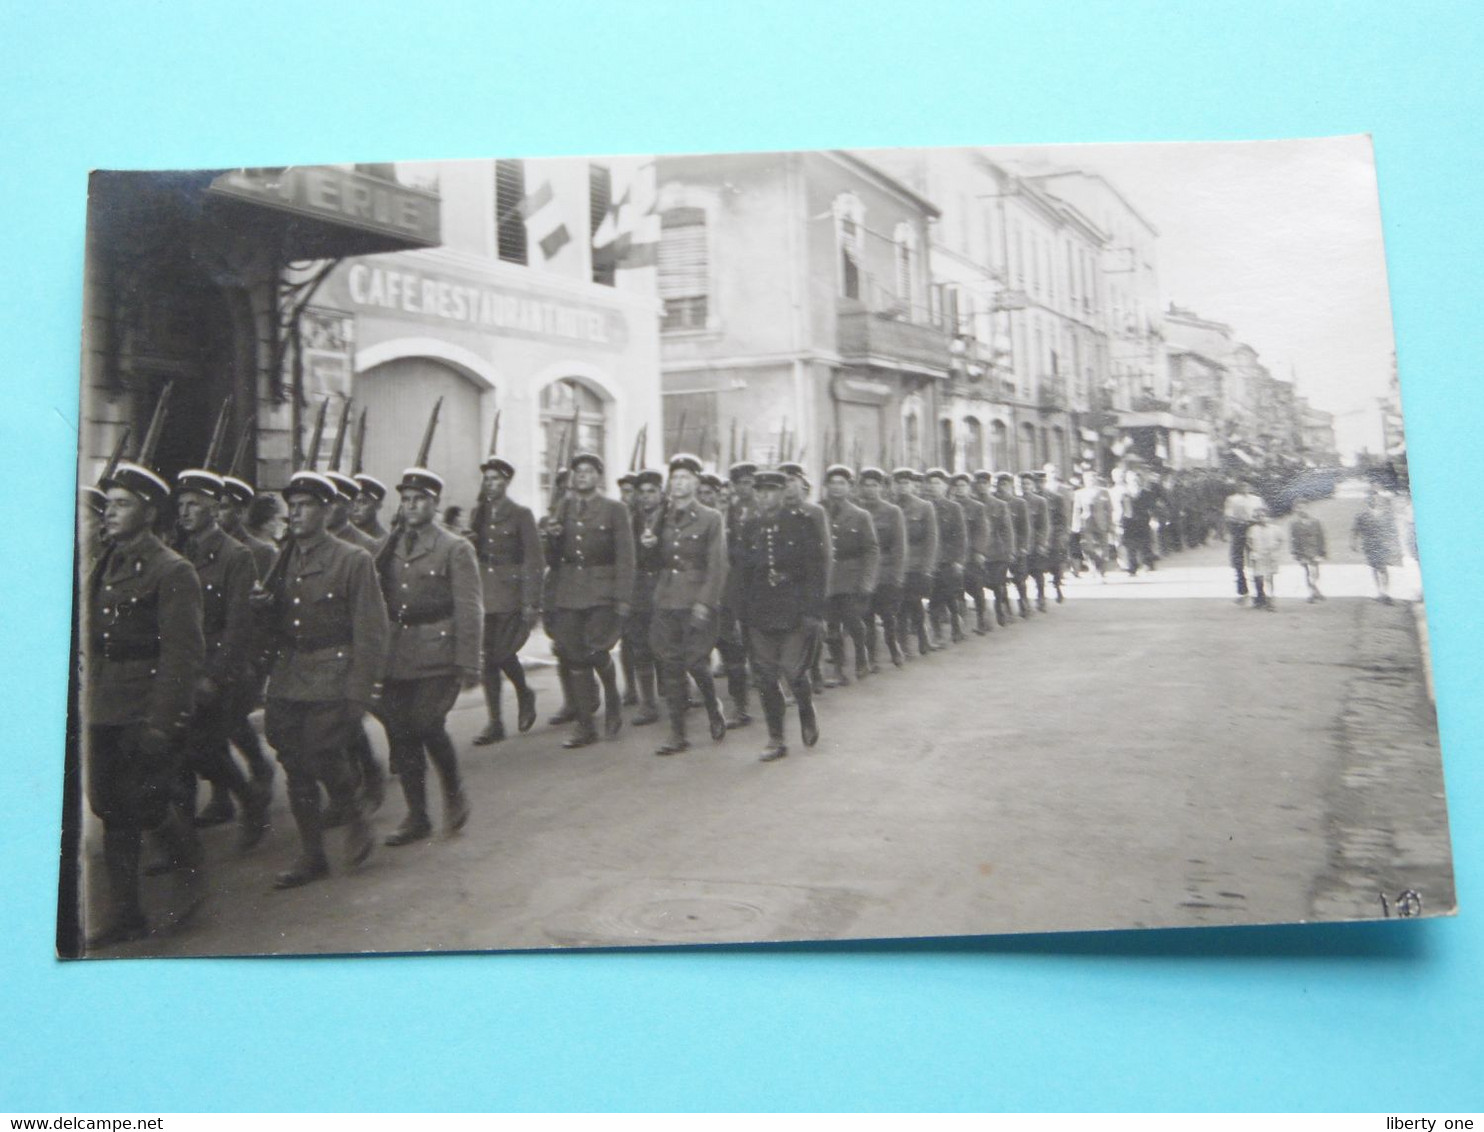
(1147,754)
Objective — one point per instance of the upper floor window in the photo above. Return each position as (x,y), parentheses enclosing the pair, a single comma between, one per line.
(904,241)
(510,211)
(599,203)
(850,236)
(684,269)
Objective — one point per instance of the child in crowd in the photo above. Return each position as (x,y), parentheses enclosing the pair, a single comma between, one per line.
(1264,544)
(1306,541)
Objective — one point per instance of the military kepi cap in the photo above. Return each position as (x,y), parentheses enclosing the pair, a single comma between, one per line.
(312,484)
(793,469)
(936,474)
(685,462)
(711,480)
(741,470)
(905,474)
(839,470)
(961,477)
(629,478)
(200,481)
(345,487)
(239,490)
(420,479)
(982,476)
(592,459)
(770,479)
(500,466)
(92,498)
(872,475)
(140,480)
(371,486)
(649,476)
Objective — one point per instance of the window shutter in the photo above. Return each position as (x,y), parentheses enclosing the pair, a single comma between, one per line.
(510,219)
(683,268)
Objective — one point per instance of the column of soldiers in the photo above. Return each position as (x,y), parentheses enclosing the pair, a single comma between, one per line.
(348,618)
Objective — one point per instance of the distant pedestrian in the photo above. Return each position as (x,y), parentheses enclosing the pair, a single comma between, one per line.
(1306,541)
(1264,545)
(1374,535)
(1237,512)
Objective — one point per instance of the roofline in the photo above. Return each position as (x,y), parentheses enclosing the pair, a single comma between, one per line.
(861,165)
(1112,188)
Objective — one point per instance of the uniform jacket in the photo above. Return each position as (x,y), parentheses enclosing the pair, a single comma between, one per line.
(855,549)
(145,646)
(738,516)
(953,536)
(1306,538)
(592,560)
(226,571)
(435,604)
(1020,522)
(1038,518)
(328,624)
(263,552)
(377,533)
(693,546)
(921,521)
(784,571)
(822,524)
(648,560)
(976,527)
(356,537)
(891,540)
(508,547)
(1059,512)
(1000,526)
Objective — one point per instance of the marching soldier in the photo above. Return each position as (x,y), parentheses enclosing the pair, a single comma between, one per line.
(731,639)
(327,619)
(144,653)
(628,489)
(976,531)
(999,554)
(648,521)
(590,555)
(347,491)
(92,537)
(708,491)
(857,560)
(225,687)
(785,571)
(507,545)
(953,550)
(891,539)
(796,497)
(430,579)
(921,559)
(231,514)
(1004,488)
(687,595)
(1038,513)
(1059,529)
(365,508)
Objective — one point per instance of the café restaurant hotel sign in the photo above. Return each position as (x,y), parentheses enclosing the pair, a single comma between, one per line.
(339,196)
(480,306)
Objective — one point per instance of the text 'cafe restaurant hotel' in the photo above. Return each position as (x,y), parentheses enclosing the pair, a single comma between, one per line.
(491,284)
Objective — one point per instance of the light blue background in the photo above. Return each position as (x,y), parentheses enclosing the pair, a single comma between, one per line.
(1370,1016)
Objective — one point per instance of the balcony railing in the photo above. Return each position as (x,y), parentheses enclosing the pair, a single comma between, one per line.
(881,327)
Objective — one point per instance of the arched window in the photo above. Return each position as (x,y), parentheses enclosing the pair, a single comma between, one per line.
(558,402)
(1059,449)
(973,444)
(850,234)
(999,446)
(684,269)
(947,453)
(912,432)
(904,241)
(1027,453)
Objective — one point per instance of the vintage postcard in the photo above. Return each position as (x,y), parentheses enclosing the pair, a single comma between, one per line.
(658,549)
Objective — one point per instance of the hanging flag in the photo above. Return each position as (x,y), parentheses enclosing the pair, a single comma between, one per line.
(628,235)
(554,241)
(544,220)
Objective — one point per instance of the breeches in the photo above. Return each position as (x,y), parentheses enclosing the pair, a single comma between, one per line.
(780,654)
(583,637)
(636,636)
(127,788)
(414,711)
(678,641)
(505,634)
(312,737)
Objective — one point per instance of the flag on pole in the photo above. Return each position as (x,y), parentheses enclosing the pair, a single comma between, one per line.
(544,220)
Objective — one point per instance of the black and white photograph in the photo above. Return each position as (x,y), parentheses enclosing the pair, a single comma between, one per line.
(754,547)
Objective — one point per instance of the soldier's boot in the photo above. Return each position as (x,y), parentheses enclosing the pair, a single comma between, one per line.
(982,623)
(923,647)
(649,711)
(254,814)
(445,761)
(675,708)
(808,724)
(126,922)
(372,790)
(612,702)
(864,665)
(955,623)
(311,865)
(568,712)
(415,826)
(178,833)
(835,647)
(584,734)
(219,810)
(737,693)
(494,730)
(873,649)
(893,646)
(772,698)
(707,683)
(246,740)
(1056,580)
(630,685)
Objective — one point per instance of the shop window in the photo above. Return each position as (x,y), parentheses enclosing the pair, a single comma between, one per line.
(559,401)
(510,217)
(684,269)
(999,446)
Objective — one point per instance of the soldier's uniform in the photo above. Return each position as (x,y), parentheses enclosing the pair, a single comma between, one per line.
(784,574)
(886,599)
(953,553)
(976,531)
(648,562)
(346,490)
(372,488)
(1038,521)
(1021,525)
(1000,551)
(507,545)
(328,626)
(921,561)
(693,558)
(731,637)
(430,579)
(591,573)
(263,552)
(856,554)
(143,652)
(240,494)
(227,690)
(628,495)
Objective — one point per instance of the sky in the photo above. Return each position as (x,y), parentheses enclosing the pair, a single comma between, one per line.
(1281,240)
